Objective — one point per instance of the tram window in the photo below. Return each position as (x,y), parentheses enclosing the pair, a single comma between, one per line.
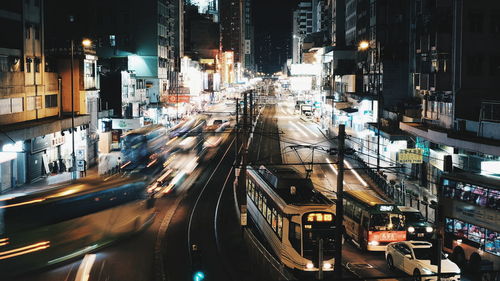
(280,225)
(448,225)
(274,220)
(294,236)
(492,244)
(475,233)
(357,213)
(348,209)
(260,201)
(269,216)
(460,229)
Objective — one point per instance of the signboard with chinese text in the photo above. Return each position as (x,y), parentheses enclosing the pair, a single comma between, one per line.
(411,156)
(177,98)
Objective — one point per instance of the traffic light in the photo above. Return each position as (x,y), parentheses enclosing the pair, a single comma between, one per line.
(198,276)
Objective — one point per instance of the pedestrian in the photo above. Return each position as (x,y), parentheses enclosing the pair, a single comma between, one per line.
(85,168)
(119,164)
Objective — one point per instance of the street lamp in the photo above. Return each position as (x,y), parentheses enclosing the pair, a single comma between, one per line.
(85,43)
(363,46)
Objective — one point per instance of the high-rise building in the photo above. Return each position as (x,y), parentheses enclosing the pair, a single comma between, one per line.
(455,67)
(36,129)
(302,25)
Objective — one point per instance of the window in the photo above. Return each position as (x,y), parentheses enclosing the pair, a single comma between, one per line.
(33,103)
(27,31)
(448,225)
(5,107)
(36,30)
(17,105)
(274,220)
(112,40)
(356,213)
(492,244)
(36,64)
(50,101)
(294,236)
(28,65)
(460,229)
(475,22)
(475,233)
(269,215)
(280,225)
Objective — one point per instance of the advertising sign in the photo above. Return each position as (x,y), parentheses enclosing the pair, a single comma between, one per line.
(411,155)
(387,236)
(178,98)
(127,124)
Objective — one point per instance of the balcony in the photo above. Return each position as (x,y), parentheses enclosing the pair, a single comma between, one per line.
(463,139)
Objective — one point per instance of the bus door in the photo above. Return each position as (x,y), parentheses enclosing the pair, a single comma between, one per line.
(363,230)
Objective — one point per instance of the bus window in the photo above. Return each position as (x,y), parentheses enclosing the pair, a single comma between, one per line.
(492,244)
(356,213)
(386,221)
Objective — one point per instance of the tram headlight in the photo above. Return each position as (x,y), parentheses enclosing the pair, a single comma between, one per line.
(429,229)
(411,229)
(327,265)
(309,265)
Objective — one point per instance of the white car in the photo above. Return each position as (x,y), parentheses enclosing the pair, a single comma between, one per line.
(413,257)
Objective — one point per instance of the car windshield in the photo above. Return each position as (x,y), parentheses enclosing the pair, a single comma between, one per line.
(425,254)
(386,221)
(414,217)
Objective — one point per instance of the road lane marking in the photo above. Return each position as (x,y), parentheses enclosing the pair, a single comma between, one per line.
(298,129)
(333,168)
(308,129)
(83,272)
(355,173)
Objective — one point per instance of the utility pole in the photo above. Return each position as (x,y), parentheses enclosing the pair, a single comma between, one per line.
(339,219)
(237,128)
(379,106)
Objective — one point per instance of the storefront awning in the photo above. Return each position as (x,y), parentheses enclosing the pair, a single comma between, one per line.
(349,110)
(36,128)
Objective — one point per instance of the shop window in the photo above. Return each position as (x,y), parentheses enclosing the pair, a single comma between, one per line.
(492,243)
(475,233)
(494,199)
(448,225)
(460,229)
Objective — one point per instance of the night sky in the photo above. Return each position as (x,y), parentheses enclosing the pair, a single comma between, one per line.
(273,28)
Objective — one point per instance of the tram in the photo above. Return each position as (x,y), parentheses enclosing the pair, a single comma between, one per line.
(291,216)
(66,221)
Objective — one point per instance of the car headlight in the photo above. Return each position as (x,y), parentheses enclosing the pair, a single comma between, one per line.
(327,265)
(411,229)
(309,265)
(429,229)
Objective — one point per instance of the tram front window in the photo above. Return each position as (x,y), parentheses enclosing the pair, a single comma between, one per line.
(319,226)
(386,221)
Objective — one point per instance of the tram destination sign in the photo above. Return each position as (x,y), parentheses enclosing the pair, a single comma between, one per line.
(410,156)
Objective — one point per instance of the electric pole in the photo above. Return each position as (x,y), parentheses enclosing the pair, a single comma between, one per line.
(339,219)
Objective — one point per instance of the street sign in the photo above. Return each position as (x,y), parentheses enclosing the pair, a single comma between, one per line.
(411,156)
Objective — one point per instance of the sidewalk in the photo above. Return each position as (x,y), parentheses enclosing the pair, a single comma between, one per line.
(396,187)
(48,182)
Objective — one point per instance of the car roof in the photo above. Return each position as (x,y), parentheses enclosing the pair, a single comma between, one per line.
(407,209)
(417,244)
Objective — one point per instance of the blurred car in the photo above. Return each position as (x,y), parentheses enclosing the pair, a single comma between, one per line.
(414,258)
(417,227)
